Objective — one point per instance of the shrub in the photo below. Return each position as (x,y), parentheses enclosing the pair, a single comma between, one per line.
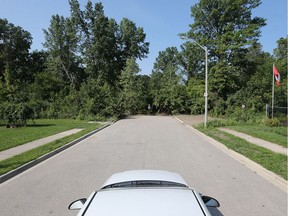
(16,114)
(274,122)
(216,123)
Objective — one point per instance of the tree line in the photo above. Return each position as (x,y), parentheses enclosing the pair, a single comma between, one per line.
(89,66)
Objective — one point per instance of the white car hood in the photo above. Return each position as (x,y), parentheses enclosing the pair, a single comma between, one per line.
(145,202)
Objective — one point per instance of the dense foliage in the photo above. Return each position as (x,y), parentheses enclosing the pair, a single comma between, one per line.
(89,67)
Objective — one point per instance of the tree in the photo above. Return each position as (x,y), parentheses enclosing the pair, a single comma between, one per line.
(99,42)
(145,98)
(132,41)
(14,74)
(280,54)
(168,57)
(166,86)
(228,30)
(37,63)
(195,90)
(14,52)
(130,89)
(257,92)
(225,27)
(61,42)
(192,59)
(105,45)
(223,80)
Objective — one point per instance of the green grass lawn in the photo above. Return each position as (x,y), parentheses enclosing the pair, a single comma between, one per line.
(41,129)
(274,162)
(11,137)
(277,135)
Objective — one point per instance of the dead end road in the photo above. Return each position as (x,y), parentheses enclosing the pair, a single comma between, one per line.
(141,142)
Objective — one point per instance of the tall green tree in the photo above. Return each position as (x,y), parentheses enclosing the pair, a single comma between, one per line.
(166,84)
(228,29)
(15,75)
(191,59)
(61,41)
(14,52)
(99,45)
(132,40)
(130,89)
(195,100)
(106,45)
(257,92)
(280,54)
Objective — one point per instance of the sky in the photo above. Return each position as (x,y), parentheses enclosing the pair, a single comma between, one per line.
(162,20)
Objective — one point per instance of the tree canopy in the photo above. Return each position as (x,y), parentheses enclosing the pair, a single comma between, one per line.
(89,66)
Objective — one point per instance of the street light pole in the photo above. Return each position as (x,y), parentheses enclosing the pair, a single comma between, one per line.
(206,87)
(206,76)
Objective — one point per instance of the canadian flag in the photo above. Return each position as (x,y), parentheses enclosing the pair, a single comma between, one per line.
(276,75)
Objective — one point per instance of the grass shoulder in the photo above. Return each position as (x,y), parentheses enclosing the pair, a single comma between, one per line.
(40,128)
(274,162)
(277,135)
(61,125)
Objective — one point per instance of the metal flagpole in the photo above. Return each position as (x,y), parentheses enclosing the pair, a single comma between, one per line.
(273,91)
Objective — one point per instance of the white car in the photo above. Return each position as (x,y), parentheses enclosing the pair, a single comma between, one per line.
(145,193)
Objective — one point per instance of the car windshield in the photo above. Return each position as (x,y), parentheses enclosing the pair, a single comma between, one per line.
(145,183)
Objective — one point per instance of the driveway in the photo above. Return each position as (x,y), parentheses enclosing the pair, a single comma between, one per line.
(142,142)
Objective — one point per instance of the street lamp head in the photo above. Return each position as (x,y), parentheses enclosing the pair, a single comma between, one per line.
(184,37)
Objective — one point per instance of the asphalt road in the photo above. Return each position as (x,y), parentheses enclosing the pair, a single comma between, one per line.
(140,143)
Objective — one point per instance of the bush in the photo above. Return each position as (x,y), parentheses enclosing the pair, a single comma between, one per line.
(222,123)
(274,122)
(16,114)
(216,123)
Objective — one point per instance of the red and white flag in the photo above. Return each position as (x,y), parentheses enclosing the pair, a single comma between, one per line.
(276,75)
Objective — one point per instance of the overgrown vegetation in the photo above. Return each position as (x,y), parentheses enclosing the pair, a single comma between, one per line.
(89,68)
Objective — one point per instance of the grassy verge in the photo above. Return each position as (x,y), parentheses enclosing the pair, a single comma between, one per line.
(277,135)
(274,162)
(12,137)
(19,160)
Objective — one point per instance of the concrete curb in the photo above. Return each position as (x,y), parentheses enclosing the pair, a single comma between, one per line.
(255,167)
(31,164)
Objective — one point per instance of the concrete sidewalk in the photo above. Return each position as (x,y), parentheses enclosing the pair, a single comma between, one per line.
(193,120)
(31,145)
(268,145)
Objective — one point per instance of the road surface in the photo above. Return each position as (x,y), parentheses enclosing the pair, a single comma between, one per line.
(149,142)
